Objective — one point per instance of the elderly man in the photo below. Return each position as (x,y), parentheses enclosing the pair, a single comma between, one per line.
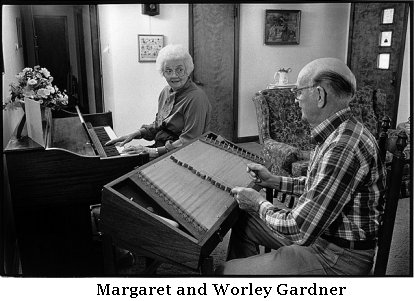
(332,229)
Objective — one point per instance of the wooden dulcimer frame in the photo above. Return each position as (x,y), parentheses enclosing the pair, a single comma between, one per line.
(178,207)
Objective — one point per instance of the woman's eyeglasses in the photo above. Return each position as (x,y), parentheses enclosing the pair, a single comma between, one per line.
(180,71)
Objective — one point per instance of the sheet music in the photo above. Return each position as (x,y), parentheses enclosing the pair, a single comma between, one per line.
(34,121)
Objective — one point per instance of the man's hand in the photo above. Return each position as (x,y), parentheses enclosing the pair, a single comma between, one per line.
(247,198)
(260,174)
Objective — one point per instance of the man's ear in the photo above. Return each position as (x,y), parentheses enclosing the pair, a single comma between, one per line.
(321,97)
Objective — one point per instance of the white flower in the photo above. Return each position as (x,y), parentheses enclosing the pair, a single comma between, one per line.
(63,99)
(36,84)
(28,93)
(32,82)
(43,92)
(45,72)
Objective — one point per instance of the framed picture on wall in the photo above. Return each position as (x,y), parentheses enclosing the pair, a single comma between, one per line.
(149,46)
(282,27)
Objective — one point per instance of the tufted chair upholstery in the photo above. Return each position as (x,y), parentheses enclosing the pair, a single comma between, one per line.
(369,107)
(406,185)
(284,136)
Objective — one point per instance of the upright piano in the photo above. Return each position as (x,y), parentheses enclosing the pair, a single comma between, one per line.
(52,188)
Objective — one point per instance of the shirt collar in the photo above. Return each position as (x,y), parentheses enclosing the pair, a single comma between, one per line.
(326,127)
(185,87)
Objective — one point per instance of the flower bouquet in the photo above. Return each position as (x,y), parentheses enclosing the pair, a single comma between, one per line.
(36,84)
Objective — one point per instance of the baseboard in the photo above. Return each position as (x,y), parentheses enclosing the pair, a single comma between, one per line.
(247,139)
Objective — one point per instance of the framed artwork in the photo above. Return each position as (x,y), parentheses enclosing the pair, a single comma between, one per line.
(149,46)
(282,27)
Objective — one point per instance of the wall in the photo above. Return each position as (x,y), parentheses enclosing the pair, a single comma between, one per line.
(404,104)
(323,33)
(131,88)
(13,64)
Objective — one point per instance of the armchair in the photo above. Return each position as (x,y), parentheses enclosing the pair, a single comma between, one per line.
(283,134)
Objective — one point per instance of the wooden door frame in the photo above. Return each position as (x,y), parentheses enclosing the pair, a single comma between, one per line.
(96,58)
(81,60)
(400,63)
(235,137)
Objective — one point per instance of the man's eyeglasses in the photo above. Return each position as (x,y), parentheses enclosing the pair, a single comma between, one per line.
(298,91)
(180,71)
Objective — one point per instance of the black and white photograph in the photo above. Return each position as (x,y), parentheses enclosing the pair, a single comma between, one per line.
(223,150)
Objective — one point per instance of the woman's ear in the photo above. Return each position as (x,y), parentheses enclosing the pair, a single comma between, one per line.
(321,97)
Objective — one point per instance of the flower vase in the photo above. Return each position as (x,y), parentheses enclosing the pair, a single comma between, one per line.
(20,127)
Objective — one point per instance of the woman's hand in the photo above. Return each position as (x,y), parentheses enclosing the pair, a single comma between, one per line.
(247,198)
(133,149)
(138,149)
(121,141)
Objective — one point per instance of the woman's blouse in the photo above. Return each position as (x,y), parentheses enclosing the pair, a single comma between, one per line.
(182,116)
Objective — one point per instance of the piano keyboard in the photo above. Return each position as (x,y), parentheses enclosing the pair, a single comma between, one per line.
(99,136)
(105,133)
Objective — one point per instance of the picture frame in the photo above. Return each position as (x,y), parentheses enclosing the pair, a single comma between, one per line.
(282,27)
(148,47)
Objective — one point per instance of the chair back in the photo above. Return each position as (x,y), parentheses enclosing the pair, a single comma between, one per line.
(285,121)
(392,195)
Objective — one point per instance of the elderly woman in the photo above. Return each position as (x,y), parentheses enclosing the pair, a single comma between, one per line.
(183,108)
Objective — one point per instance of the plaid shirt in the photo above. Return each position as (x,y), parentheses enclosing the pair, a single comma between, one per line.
(341,194)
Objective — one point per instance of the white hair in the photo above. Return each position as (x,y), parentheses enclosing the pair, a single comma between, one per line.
(170,52)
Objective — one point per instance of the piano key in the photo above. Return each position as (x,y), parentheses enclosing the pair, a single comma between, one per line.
(105,134)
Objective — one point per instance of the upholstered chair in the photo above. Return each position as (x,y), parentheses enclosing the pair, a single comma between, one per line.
(283,134)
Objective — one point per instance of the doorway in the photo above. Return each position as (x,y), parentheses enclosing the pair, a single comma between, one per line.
(62,38)
(376,48)
(214,48)
(52,49)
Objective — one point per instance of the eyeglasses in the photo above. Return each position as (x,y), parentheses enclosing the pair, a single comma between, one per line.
(298,91)
(179,71)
